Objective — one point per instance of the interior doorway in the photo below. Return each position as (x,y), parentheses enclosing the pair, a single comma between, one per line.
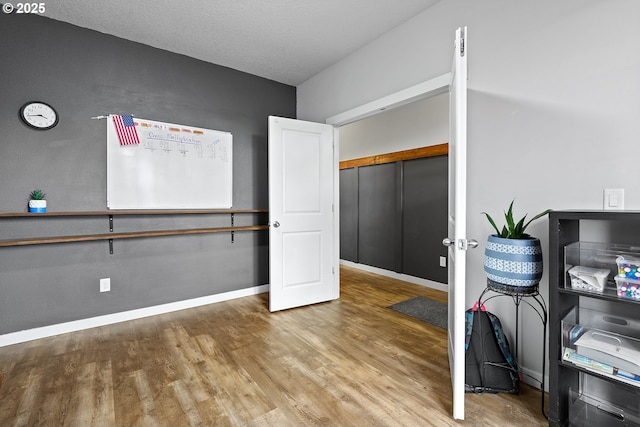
(407,120)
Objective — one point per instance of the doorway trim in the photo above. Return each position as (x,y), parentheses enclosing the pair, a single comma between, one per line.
(426,89)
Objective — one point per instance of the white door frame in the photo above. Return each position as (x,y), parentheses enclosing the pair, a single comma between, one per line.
(426,89)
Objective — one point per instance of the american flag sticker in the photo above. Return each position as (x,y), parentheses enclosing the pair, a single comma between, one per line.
(126,130)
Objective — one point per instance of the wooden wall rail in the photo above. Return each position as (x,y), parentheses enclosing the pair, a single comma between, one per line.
(128,235)
(415,153)
(131,212)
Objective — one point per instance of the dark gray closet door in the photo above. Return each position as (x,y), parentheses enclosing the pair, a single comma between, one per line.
(424,217)
(349,214)
(377,207)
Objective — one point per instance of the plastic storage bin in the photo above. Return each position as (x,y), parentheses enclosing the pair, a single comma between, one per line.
(593,254)
(588,278)
(628,288)
(628,267)
(594,341)
(595,267)
(617,351)
(586,410)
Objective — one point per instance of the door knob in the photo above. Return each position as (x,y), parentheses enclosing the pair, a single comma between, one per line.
(464,244)
(276,224)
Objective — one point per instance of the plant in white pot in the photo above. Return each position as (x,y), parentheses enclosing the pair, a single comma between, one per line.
(513,259)
(37,202)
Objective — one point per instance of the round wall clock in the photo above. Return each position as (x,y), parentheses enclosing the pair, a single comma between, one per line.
(38,115)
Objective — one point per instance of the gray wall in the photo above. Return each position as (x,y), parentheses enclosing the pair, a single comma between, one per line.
(83,73)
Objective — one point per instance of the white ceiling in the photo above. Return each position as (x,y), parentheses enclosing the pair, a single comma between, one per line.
(288,41)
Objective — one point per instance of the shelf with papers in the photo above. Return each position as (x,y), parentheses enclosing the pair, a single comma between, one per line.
(593,367)
(602,344)
(593,319)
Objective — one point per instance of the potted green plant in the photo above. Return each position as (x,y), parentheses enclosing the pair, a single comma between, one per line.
(37,202)
(513,259)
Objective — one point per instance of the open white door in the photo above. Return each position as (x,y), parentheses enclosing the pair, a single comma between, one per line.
(303,259)
(457,239)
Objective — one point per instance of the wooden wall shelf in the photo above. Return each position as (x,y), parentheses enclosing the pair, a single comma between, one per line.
(128,235)
(131,212)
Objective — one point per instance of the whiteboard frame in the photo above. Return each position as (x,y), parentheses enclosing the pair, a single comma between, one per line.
(173,167)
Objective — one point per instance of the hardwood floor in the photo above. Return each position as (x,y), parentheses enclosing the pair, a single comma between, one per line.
(350,362)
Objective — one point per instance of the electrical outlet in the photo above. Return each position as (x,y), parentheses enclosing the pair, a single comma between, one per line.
(105,285)
(443,261)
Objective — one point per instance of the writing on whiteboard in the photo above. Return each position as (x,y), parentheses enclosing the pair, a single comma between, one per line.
(174,167)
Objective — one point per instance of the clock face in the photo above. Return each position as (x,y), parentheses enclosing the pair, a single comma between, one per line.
(39,115)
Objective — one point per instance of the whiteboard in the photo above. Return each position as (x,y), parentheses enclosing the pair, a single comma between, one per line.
(173,167)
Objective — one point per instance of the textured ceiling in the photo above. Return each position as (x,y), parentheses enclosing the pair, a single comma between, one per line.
(288,41)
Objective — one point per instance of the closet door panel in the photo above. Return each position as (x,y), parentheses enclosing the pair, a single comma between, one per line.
(377,207)
(424,217)
(349,214)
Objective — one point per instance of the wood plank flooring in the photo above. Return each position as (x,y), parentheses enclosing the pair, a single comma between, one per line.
(350,362)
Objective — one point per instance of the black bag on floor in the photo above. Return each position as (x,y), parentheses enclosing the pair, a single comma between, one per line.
(490,368)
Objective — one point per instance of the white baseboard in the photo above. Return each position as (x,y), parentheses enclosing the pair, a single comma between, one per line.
(411,279)
(108,319)
(533,378)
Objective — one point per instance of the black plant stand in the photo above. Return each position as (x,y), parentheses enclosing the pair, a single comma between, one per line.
(518,295)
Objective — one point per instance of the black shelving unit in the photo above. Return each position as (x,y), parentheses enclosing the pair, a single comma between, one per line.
(578,394)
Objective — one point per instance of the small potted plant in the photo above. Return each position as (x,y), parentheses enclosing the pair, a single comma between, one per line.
(513,259)
(37,202)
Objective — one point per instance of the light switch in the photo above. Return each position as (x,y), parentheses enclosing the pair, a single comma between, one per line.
(614,199)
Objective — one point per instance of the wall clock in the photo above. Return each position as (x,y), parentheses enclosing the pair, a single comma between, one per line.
(38,115)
